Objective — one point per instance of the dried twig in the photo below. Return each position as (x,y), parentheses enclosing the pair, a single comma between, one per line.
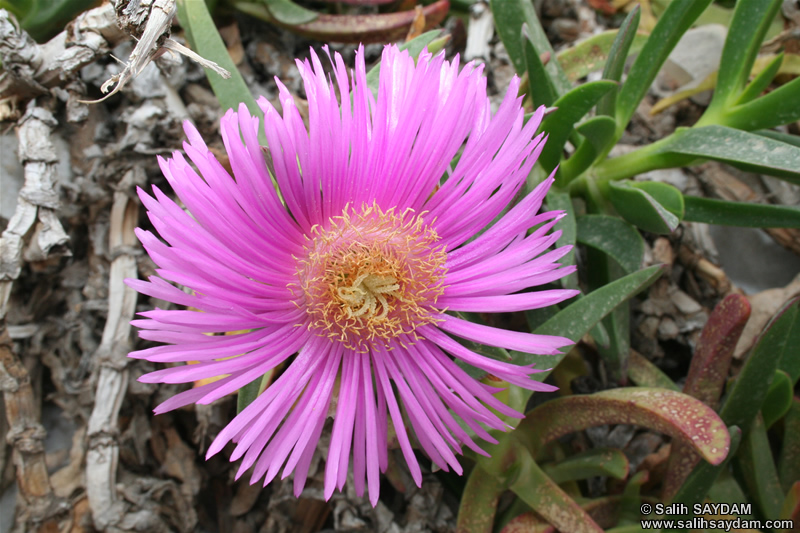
(36,205)
(31,69)
(103,454)
(150,21)
(33,221)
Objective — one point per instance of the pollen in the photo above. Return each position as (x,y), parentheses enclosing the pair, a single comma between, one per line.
(371,276)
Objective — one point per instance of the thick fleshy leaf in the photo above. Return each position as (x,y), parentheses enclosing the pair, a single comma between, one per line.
(578,318)
(752,383)
(787,138)
(789,460)
(594,462)
(371,28)
(614,237)
(509,16)
(778,107)
(646,374)
(700,481)
(591,54)
(617,57)
(791,506)
(758,469)
(711,362)
(651,206)
(561,201)
(250,392)
(741,214)
(613,353)
(778,400)
(479,501)
(738,148)
(204,39)
(673,23)
(751,20)
(289,13)
(790,355)
(762,80)
(665,411)
(707,376)
(545,497)
(597,133)
(560,124)
(540,87)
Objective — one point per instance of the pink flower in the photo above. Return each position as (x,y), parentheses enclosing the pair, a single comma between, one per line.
(348,275)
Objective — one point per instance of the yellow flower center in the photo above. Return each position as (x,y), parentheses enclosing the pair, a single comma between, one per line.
(371,276)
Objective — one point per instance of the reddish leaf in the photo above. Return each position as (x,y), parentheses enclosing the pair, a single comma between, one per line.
(380,28)
(669,412)
(707,376)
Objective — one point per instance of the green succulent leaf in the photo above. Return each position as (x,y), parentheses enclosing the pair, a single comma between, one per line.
(645,374)
(778,400)
(778,107)
(479,501)
(287,12)
(751,20)
(762,80)
(540,85)
(561,201)
(789,354)
(204,39)
(250,392)
(789,460)
(559,124)
(544,496)
(741,214)
(578,318)
(592,53)
(616,238)
(594,462)
(752,383)
(748,151)
(509,16)
(787,138)
(597,133)
(673,23)
(616,59)
(758,469)
(651,206)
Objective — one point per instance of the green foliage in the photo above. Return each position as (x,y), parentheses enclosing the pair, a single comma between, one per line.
(734,130)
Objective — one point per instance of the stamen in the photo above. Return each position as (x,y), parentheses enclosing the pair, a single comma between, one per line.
(372,276)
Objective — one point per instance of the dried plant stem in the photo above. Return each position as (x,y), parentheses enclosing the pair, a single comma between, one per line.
(33,233)
(103,453)
(32,69)
(40,509)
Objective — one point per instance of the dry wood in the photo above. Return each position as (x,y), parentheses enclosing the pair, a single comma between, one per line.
(33,233)
(103,453)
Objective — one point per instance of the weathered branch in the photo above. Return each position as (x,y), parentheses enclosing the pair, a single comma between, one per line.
(34,230)
(103,454)
(41,509)
(31,69)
